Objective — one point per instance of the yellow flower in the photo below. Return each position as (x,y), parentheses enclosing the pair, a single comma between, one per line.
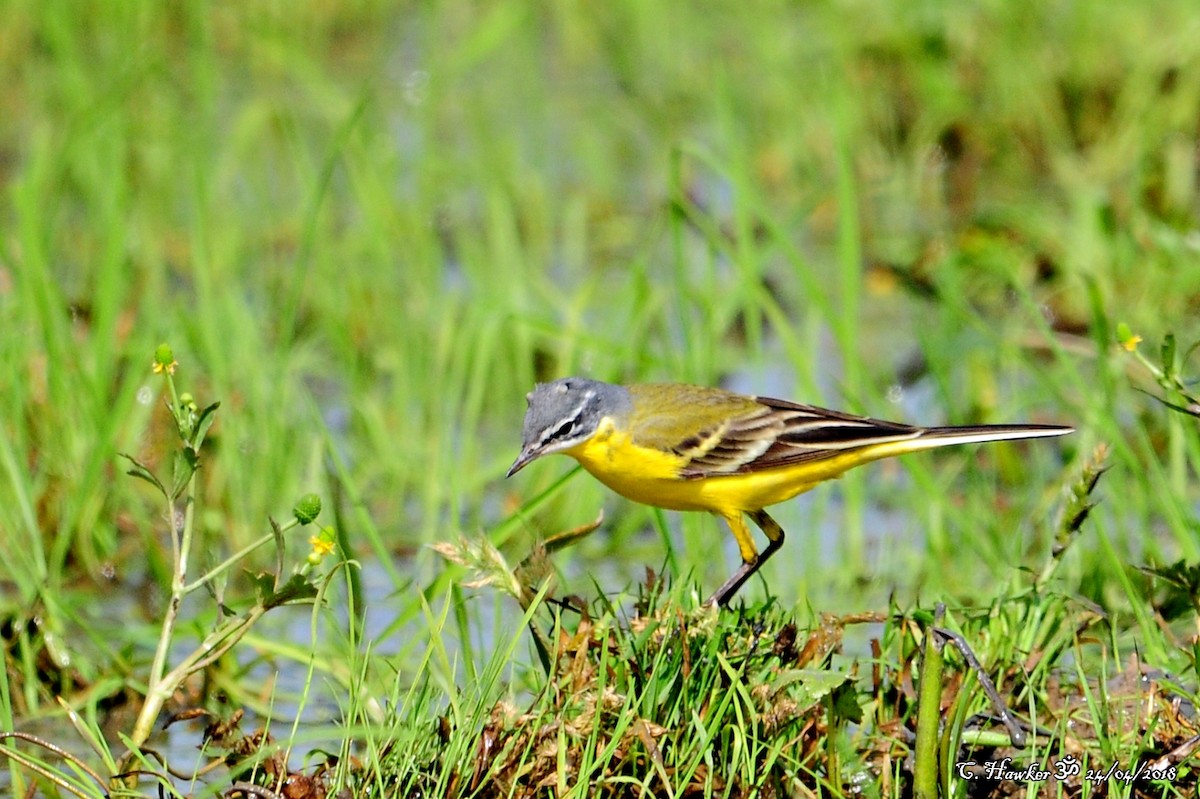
(321,546)
(1127,338)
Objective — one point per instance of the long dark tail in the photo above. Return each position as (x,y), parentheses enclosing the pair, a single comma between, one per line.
(945,436)
(933,437)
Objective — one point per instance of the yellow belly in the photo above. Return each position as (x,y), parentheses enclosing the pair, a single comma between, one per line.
(651,477)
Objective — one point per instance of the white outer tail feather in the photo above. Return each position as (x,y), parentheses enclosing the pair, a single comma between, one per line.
(948,436)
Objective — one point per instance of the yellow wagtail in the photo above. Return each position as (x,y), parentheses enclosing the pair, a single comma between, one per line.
(694,448)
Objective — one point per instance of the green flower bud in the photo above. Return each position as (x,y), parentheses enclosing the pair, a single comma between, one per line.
(164,360)
(307,508)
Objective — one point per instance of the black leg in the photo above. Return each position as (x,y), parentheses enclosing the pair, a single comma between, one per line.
(775,536)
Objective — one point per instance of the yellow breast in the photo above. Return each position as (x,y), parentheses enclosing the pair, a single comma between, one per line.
(651,476)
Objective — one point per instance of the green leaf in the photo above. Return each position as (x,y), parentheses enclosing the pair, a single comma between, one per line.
(264,586)
(203,422)
(186,462)
(141,471)
(1181,587)
(296,589)
(815,684)
(845,703)
(1168,358)
(1192,409)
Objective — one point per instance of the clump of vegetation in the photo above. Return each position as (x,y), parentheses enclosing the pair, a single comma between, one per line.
(177,660)
(692,702)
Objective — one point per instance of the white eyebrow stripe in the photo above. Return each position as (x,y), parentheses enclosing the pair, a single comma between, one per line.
(576,412)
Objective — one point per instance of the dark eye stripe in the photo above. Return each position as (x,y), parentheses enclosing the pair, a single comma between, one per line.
(564,429)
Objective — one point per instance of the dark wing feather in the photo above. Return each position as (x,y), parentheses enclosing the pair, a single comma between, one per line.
(774,433)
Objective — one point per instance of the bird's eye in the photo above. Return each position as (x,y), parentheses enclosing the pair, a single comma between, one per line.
(565,429)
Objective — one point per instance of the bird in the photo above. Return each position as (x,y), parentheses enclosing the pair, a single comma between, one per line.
(696,448)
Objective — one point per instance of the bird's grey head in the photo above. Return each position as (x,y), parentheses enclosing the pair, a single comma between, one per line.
(564,413)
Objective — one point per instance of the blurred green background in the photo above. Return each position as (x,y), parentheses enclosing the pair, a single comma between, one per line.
(367,228)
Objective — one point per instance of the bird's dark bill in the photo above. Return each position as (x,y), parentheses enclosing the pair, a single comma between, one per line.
(523,460)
